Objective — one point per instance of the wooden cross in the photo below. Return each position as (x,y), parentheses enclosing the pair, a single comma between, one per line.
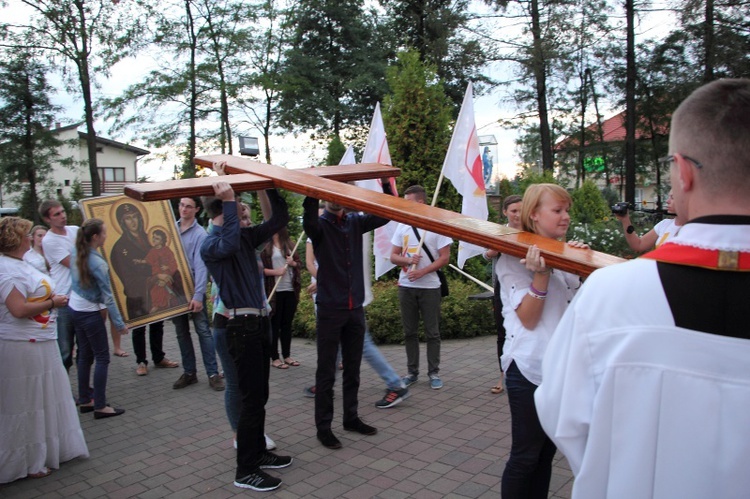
(328,183)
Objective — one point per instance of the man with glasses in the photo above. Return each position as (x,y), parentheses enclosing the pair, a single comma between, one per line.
(192,235)
(646,382)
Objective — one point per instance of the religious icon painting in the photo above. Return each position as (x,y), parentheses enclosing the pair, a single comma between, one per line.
(151,280)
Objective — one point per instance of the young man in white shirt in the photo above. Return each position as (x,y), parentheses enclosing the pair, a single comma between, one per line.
(419,290)
(58,245)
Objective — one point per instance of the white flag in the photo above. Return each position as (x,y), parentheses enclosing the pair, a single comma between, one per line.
(376,151)
(463,166)
(350,159)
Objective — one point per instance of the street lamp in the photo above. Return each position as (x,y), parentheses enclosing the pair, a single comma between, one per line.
(249,146)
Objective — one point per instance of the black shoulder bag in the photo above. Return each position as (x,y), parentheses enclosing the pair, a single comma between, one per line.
(444,291)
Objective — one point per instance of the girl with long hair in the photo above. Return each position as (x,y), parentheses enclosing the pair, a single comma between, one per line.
(282,264)
(91,287)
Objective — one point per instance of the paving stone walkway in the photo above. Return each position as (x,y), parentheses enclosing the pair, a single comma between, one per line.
(451,442)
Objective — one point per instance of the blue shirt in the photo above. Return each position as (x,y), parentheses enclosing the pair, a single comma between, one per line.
(337,243)
(229,254)
(192,239)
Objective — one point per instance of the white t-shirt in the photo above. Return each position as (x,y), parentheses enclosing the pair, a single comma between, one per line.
(36,260)
(405,238)
(56,249)
(278,259)
(665,230)
(35,287)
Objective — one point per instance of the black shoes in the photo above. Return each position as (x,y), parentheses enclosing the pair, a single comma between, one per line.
(102,415)
(328,439)
(360,427)
(258,480)
(271,460)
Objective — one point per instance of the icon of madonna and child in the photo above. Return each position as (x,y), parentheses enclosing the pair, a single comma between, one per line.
(144,262)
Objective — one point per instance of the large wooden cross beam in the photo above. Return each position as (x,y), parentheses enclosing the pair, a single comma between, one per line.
(329,184)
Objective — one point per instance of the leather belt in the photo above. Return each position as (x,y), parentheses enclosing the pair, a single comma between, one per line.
(240,312)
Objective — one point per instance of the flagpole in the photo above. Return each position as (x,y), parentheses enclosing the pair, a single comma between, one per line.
(273,291)
(472,278)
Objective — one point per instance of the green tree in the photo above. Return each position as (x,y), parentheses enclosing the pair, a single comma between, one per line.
(417,118)
(445,36)
(92,35)
(332,75)
(28,147)
(589,205)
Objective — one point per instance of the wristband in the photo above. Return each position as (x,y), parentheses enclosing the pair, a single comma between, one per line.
(536,291)
(538,297)
(52,302)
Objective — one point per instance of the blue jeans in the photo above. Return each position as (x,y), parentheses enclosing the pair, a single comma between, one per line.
(206,340)
(250,347)
(232,400)
(65,335)
(372,356)
(529,467)
(92,344)
(425,302)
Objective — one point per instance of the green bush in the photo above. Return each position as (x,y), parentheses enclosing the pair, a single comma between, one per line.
(460,316)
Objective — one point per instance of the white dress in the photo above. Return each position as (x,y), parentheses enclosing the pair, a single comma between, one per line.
(39,425)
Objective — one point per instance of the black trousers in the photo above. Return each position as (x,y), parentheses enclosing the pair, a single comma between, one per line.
(334,327)
(249,346)
(155,339)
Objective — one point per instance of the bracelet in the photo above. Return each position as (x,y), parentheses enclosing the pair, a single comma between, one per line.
(536,291)
(52,302)
(538,297)
(544,272)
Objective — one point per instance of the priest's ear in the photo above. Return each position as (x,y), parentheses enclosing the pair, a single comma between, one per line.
(686,172)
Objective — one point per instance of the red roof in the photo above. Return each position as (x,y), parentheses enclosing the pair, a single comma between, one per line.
(614,131)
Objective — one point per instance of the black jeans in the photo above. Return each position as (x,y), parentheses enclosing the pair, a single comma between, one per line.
(155,339)
(529,468)
(346,327)
(281,323)
(249,346)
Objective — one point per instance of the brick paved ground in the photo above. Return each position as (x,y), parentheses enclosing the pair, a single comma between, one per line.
(177,443)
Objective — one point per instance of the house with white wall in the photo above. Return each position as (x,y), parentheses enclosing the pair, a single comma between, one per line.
(117,163)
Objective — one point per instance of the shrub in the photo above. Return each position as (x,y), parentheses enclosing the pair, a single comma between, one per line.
(460,316)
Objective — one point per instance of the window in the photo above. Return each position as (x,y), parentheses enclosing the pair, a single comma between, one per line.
(112,174)
(67,183)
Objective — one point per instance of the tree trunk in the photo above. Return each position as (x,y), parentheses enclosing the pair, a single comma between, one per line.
(540,75)
(83,74)
(630,120)
(708,42)
(189,169)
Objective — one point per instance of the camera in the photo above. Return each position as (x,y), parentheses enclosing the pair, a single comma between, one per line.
(620,208)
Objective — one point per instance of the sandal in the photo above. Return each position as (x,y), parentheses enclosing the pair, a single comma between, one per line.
(45,472)
(497,389)
(279,365)
(291,362)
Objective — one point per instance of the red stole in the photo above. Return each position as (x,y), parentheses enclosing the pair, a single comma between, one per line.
(669,252)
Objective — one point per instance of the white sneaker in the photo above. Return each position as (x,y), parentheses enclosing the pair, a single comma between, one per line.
(270,444)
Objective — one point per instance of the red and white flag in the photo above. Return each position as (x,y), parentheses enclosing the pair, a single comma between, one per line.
(376,151)
(463,166)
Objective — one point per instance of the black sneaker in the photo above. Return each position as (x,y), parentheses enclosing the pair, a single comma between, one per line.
(271,460)
(258,480)
(360,427)
(185,380)
(328,439)
(392,398)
